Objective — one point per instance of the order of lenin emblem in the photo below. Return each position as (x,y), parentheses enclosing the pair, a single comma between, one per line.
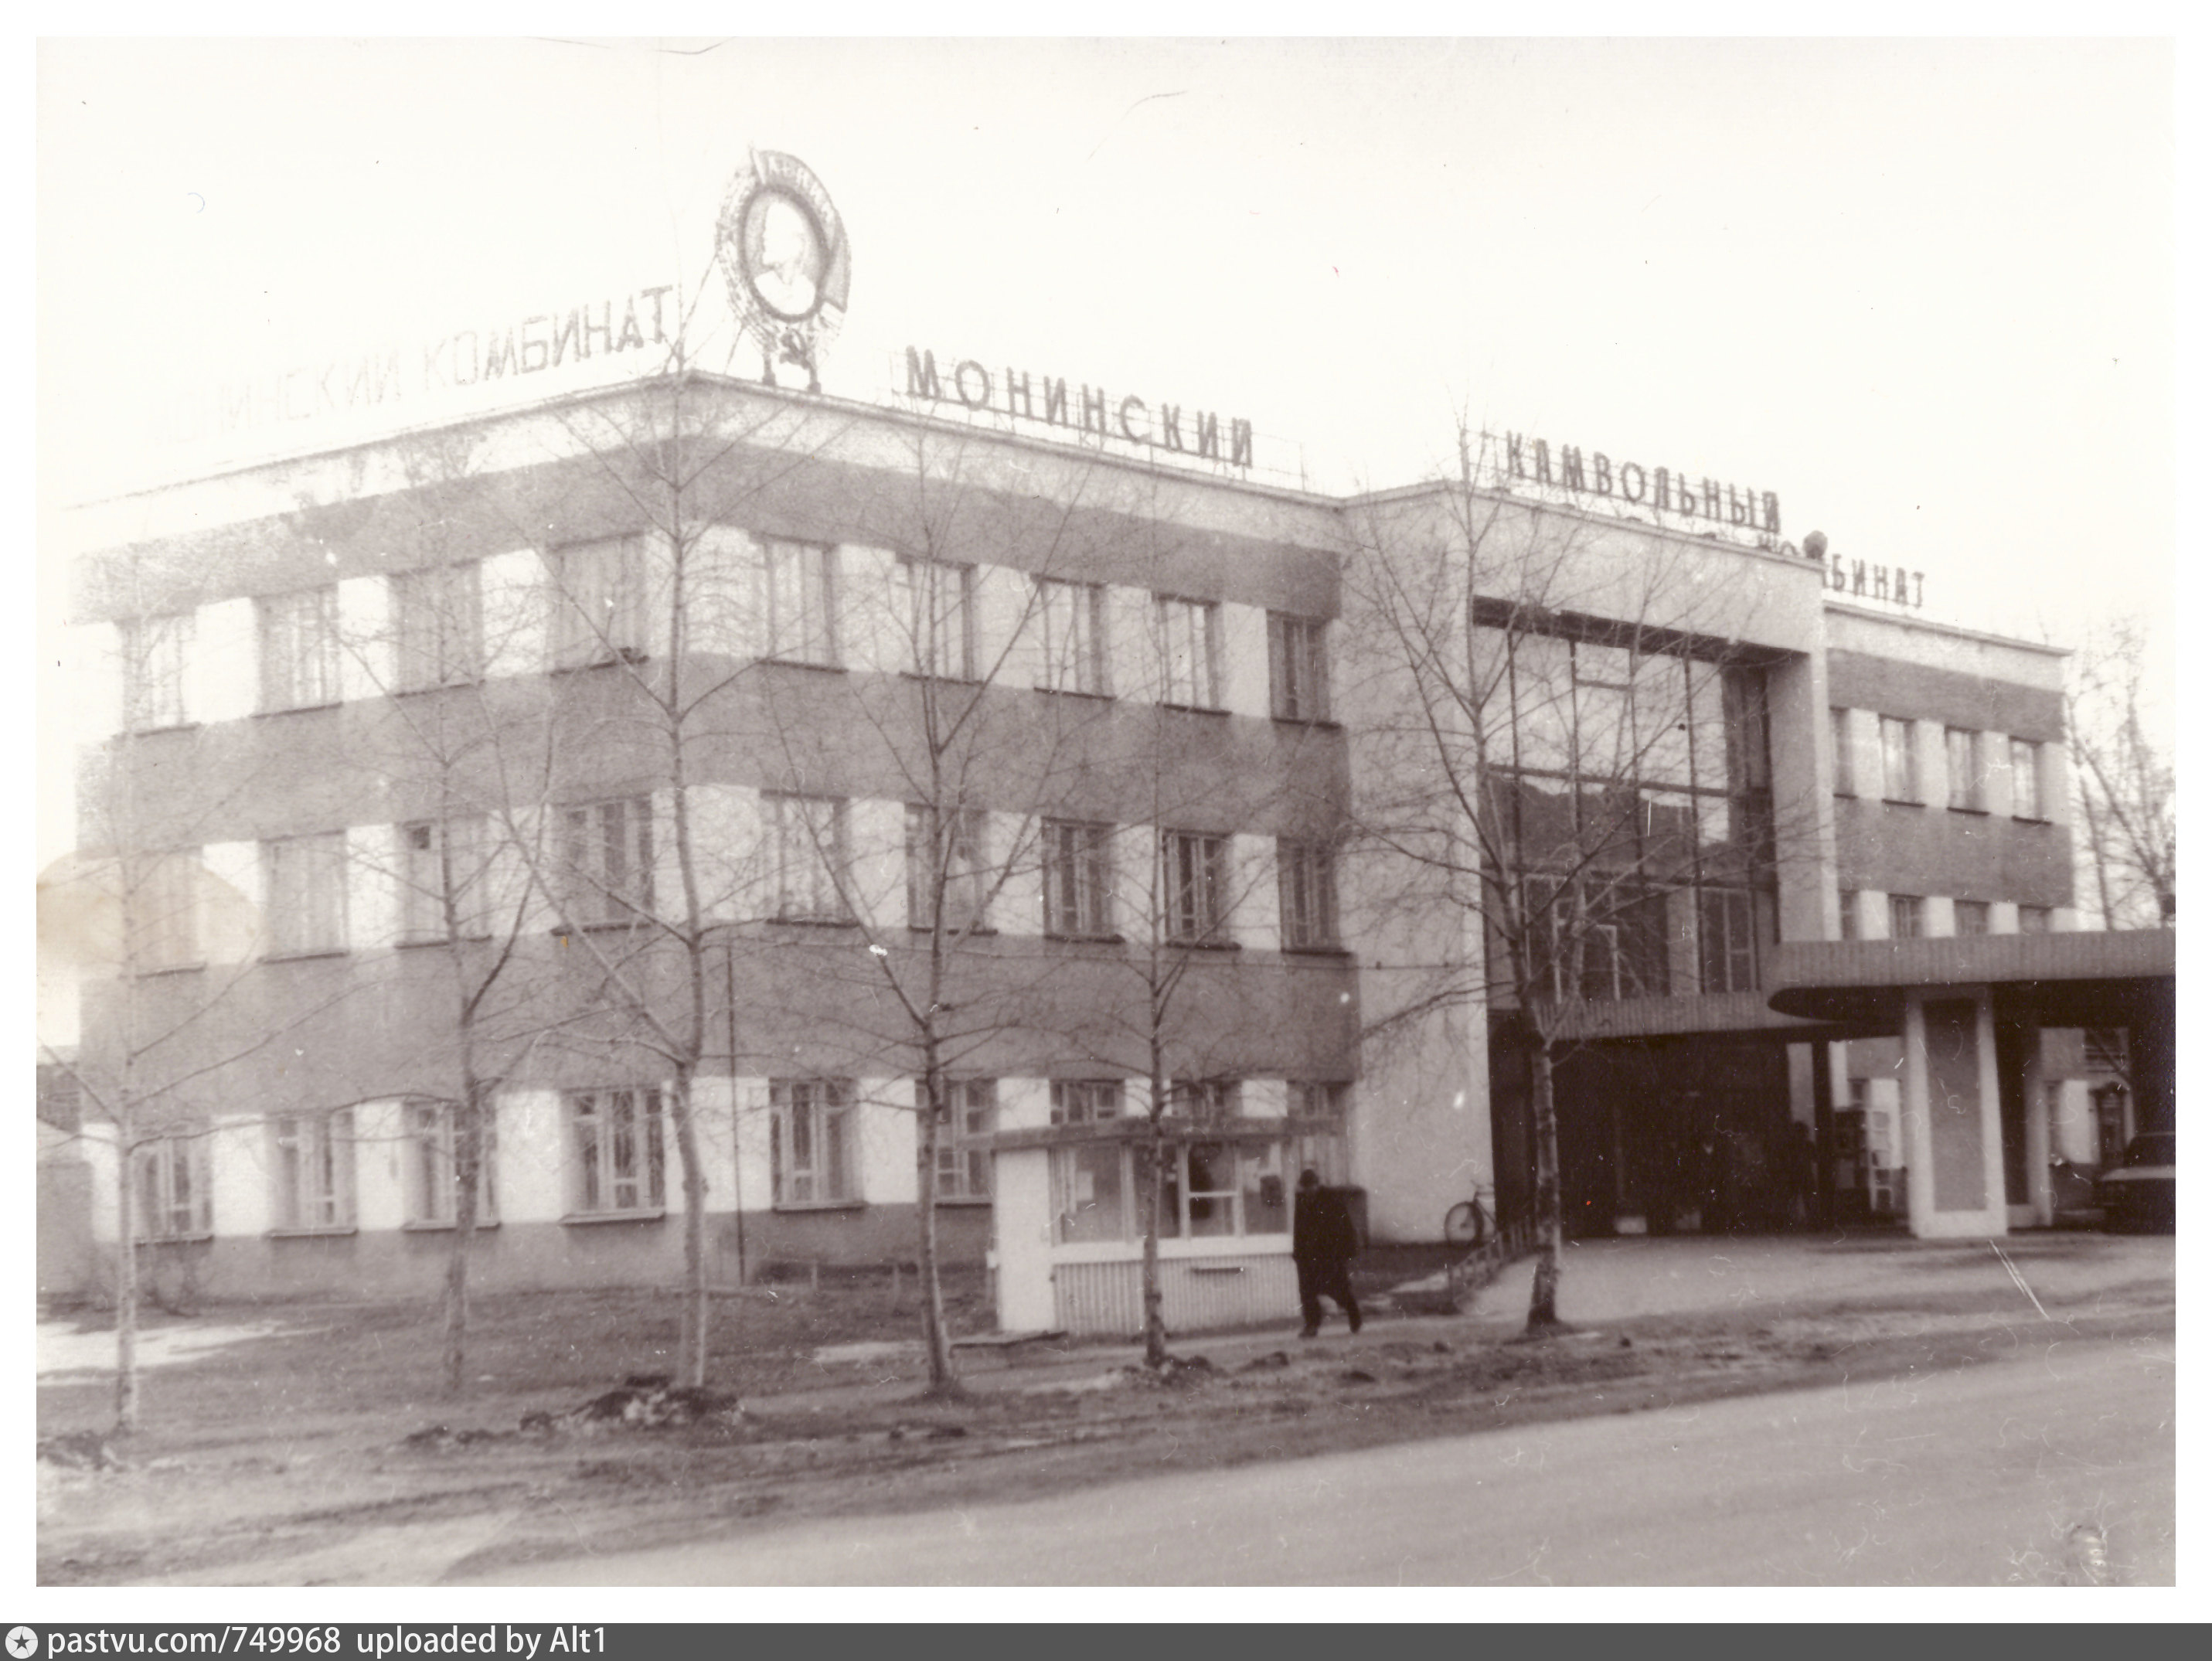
(784,253)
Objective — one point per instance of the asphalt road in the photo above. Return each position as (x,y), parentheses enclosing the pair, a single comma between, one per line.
(1971,1477)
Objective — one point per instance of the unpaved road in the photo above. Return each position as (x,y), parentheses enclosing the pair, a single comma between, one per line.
(1968,1478)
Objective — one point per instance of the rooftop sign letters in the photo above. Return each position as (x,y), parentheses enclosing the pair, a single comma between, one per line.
(1518,463)
(1170,431)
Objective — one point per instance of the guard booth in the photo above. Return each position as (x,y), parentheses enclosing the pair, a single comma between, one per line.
(1068,1219)
(1976,1129)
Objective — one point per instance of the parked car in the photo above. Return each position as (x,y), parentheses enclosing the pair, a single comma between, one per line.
(2138,1192)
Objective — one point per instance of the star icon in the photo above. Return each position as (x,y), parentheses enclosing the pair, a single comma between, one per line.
(22,1643)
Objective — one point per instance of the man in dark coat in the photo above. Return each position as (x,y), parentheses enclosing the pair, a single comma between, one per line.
(1323,1243)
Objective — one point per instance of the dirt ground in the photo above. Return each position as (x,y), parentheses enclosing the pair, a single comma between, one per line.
(308,1444)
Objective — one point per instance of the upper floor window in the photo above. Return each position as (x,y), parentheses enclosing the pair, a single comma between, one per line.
(1839,738)
(811,1142)
(945,852)
(1848,913)
(306,902)
(300,649)
(1728,959)
(1085,1101)
(1322,1149)
(2035,920)
(1071,623)
(802,600)
(1901,769)
(620,1162)
(172,1187)
(442,868)
(2027,779)
(1970,916)
(1962,761)
(1078,872)
(963,1141)
(1194,886)
(1906,917)
(313,1170)
(161,910)
(1190,647)
(1307,881)
(155,652)
(606,861)
(600,614)
(807,841)
(1298,668)
(433,1165)
(1205,1101)
(439,615)
(937,614)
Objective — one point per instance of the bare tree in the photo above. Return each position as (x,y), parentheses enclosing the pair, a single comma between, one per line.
(2124,779)
(1562,748)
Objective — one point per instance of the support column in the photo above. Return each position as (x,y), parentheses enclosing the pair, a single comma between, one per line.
(1824,1137)
(1953,1129)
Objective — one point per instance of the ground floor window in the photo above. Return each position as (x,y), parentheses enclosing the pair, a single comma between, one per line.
(620,1162)
(1085,1101)
(172,1187)
(1209,1189)
(1325,1151)
(313,1168)
(433,1180)
(964,1145)
(811,1143)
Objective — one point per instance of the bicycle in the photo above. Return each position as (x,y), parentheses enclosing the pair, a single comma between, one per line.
(1469,1223)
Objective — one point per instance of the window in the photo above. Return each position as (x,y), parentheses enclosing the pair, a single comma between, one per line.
(305,909)
(1078,889)
(163,904)
(1070,617)
(1848,913)
(1306,877)
(963,1148)
(606,859)
(937,609)
(1900,775)
(2035,920)
(802,599)
(618,1152)
(1970,916)
(313,1170)
(1204,1101)
(1962,758)
(600,615)
(807,836)
(1085,1101)
(1839,738)
(154,650)
(439,616)
(1203,1177)
(432,1179)
(1090,1192)
(1905,917)
(1728,960)
(172,1189)
(951,843)
(811,1146)
(299,649)
(1190,647)
(1194,886)
(2026,780)
(438,860)
(1321,1150)
(1298,668)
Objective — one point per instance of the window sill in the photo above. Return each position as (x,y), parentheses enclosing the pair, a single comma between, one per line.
(1085,940)
(1197,709)
(334,1230)
(171,969)
(417,944)
(1206,945)
(961,930)
(482,1223)
(820,1205)
(460,683)
(1318,951)
(971,1201)
(1074,692)
(808,664)
(308,955)
(1898,801)
(623,926)
(300,709)
(166,726)
(941,678)
(625,656)
(1322,721)
(2029,818)
(815,922)
(1979,813)
(198,1237)
(594,1219)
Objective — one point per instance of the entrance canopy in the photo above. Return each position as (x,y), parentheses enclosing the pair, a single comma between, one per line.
(2090,979)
